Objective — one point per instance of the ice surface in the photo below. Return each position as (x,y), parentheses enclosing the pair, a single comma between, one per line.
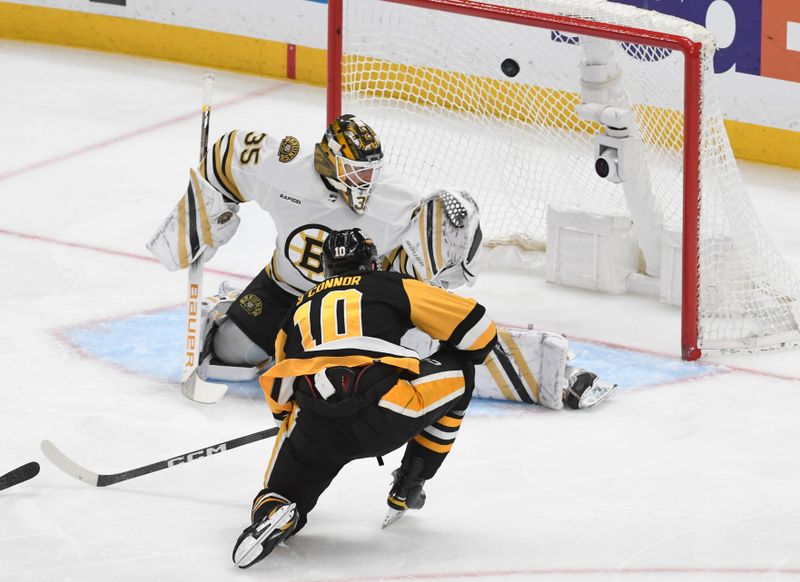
(690,472)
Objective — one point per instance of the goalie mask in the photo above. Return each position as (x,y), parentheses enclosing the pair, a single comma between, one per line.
(347,251)
(350,158)
(443,241)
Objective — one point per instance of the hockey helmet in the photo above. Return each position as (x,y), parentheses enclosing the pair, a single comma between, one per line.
(350,158)
(347,251)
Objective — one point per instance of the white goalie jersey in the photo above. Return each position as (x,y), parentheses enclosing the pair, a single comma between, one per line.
(279,175)
(435,239)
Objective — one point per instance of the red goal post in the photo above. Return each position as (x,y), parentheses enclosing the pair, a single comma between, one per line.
(692,50)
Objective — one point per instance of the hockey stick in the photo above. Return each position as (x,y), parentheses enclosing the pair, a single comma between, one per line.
(73,469)
(18,475)
(192,386)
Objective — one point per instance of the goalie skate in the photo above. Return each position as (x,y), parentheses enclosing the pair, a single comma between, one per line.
(585,389)
(258,540)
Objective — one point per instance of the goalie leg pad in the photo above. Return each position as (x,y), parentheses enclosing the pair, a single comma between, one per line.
(232,346)
(225,355)
(525,366)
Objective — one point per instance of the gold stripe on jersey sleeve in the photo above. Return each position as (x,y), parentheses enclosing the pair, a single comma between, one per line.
(435,447)
(498,378)
(216,166)
(183,255)
(201,207)
(222,165)
(484,338)
(530,379)
(434,310)
(228,163)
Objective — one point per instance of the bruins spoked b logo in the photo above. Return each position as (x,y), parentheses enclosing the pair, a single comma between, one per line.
(304,250)
(288,149)
(251,304)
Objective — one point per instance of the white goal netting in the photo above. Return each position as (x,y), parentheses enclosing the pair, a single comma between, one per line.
(432,85)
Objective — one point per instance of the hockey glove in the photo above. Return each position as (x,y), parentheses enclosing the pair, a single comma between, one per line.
(199,224)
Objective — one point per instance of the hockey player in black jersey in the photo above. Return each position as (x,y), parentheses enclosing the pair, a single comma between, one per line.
(339,360)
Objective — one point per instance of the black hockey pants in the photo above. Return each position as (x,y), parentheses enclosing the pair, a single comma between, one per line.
(260,310)
(422,411)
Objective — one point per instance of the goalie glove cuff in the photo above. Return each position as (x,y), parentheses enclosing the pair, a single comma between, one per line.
(443,240)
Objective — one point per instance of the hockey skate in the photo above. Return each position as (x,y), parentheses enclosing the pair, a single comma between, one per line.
(257,541)
(585,389)
(406,492)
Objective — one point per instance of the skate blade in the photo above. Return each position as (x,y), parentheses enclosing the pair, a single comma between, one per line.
(248,551)
(392,516)
(598,392)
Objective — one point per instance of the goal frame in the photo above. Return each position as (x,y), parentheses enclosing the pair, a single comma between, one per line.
(692,80)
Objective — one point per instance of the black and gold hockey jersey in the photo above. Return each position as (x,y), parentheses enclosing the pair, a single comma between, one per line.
(355,320)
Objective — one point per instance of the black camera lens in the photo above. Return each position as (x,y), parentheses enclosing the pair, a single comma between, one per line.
(601,167)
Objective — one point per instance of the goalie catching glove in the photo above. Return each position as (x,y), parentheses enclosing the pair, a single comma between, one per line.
(442,243)
(199,224)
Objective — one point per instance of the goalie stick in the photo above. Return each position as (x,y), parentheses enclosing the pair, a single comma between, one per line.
(19,475)
(192,386)
(80,473)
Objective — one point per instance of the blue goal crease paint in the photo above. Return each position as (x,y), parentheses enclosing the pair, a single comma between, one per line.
(150,344)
